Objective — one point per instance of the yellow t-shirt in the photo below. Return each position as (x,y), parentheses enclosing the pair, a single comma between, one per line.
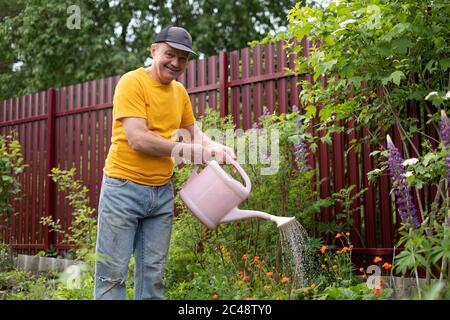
(166,109)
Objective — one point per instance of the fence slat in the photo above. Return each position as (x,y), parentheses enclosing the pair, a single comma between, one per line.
(293,96)
(385,208)
(223,80)
(269,85)
(257,91)
(101,136)
(64,136)
(353,179)
(78,104)
(191,84)
(201,82)
(234,75)
(246,103)
(50,186)
(369,197)
(212,79)
(93,147)
(40,101)
(282,83)
(338,165)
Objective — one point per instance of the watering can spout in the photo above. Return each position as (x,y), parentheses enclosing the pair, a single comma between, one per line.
(236,214)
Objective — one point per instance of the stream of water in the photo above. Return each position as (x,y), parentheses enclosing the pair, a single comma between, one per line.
(298,253)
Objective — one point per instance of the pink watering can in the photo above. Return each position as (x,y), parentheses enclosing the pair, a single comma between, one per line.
(213,196)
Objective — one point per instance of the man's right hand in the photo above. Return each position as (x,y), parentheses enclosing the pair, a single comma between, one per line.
(199,154)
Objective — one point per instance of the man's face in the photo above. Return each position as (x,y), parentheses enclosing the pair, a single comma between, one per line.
(169,63)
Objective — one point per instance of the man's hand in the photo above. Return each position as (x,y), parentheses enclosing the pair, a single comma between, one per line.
(221,153)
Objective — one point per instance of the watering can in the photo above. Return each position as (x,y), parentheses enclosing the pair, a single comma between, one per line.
(213,196)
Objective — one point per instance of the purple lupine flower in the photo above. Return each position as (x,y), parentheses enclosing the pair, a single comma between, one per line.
(406,207)
(445,134)
(294,108)
(445,129)
(256,125)
(300,154)
(266,111)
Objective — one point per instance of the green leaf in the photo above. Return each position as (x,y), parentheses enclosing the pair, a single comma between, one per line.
(326,139)
(445,64)
(428,157)
(402,44)
(396,77)
(311,111)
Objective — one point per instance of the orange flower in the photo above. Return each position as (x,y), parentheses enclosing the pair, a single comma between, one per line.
(284,280)
(267,287)
(381,282)
(305,292)
(269,273)
(240,273)
(338,235)
(245,257)
(215,296)
(245,278)
(377,259)
(346,249)
(324,249)
(387,266)
(263,261)
(258,266)
(255,259)
(313,286)
(377,291)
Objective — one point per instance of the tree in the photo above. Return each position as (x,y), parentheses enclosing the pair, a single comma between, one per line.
(38,50)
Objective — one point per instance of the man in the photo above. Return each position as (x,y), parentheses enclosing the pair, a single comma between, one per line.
(136,199)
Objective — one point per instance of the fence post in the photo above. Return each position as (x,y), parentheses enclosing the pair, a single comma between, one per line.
(223,83)
(50,185)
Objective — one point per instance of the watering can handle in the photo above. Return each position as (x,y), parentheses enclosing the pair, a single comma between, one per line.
(248,183)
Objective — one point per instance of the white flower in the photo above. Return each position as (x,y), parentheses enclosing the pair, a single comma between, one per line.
(411,161)
(408,174)
(431,94)
(344,23)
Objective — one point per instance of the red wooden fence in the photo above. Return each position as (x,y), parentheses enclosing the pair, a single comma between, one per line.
(71,127)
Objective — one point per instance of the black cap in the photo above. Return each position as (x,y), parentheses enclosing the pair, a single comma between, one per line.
(177,38)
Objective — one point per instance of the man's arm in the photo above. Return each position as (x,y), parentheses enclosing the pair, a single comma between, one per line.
(198,136)
(143,140)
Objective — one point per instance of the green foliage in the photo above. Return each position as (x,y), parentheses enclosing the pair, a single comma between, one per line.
(380,59)
(23,285)
(39,51)
(82,233)
(11,166)
(349,292)
(6,257)
(365,48)
(336,262)
(208,270)
(426,248)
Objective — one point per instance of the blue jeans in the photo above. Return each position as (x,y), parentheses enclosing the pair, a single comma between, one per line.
(132,218)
